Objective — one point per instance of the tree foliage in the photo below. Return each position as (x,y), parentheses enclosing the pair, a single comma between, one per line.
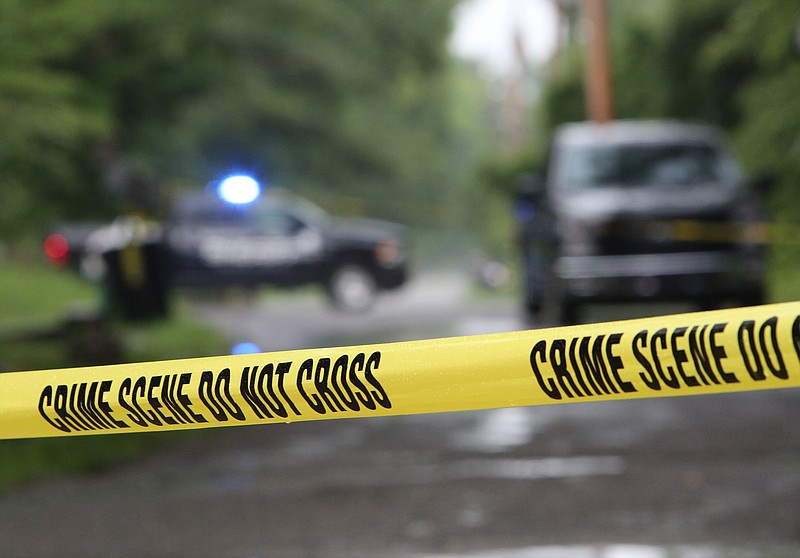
(102,100)
(723,61)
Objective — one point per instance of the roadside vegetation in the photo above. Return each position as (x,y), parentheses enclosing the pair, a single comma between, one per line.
(36,302)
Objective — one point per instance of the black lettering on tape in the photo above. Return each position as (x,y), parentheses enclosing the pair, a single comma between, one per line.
(648,375)
(761,352)
(306,374)
(215,393)
(327,387)
(768,339)
(688,349)
(363,395)
(322,384)
(251,386)
(45,402)
(669,377)
(74,411)
(185,400)
(796,336)
(280,372)
(155,402)
(140,392)
(267,402)
(586,361)
(341,385)
(222,391)
(206,393)
(105,406)
(718,352)
(169,399)
(594,367)
(60,407)
(81,406)
(699,353)
(126,390)
(680,358)
(379,394)
(539,355)
(615,363)
(747,347)
(591,365)
(558,362)
(573,360)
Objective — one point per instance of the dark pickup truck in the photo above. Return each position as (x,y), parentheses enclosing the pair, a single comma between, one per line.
(277,239)
(639,211)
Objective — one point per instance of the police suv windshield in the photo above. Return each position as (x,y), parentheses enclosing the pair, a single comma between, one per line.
(644,165)
(273,212)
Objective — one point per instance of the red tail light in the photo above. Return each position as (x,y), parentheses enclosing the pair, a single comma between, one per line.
(56,248)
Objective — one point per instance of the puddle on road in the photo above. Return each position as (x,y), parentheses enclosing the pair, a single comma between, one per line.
(416,474)
(534,469)
(500,430)
(483,325)
(622,551)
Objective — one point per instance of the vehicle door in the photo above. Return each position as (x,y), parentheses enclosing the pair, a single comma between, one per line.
(262,244)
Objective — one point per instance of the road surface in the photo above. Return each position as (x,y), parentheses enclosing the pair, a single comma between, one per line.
(707,476)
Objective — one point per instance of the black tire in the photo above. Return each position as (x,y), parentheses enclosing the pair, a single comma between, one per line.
(352,288)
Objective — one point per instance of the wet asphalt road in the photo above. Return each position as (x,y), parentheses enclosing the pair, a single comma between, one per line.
(707,476)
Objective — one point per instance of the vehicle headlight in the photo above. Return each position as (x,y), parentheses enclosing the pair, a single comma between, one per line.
(389,252)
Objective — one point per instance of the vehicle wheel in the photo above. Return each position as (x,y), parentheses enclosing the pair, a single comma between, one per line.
(352,288)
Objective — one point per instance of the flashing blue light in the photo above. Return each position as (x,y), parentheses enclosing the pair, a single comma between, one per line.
(239,189)
(245,348)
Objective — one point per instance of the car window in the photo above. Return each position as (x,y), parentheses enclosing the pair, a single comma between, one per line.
(662,164)
(257,218)
(272,221)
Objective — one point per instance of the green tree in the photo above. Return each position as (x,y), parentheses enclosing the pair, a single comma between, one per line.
(46,117)
(107,97)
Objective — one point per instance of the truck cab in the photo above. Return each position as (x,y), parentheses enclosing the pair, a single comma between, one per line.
(639,211)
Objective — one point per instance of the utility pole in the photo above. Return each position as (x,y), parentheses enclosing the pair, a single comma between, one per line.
(598,90)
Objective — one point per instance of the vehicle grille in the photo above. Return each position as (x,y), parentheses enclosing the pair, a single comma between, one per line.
(667,235)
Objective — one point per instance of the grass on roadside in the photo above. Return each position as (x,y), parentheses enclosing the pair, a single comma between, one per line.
(34,299)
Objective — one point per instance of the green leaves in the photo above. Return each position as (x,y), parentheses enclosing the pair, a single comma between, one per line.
(97,96)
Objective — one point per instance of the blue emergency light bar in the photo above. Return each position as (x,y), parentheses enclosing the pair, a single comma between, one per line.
(239,189)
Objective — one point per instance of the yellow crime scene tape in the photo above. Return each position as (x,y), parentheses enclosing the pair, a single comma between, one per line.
(720,351)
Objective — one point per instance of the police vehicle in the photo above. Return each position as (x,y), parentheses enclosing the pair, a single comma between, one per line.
(235,235)
(639,211)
